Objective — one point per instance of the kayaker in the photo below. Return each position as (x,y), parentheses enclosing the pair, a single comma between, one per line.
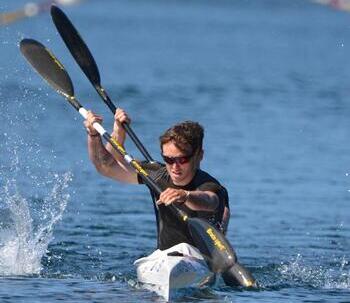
(185,184)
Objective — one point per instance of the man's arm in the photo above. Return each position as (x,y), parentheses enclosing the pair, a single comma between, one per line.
(196,200)
(107,162)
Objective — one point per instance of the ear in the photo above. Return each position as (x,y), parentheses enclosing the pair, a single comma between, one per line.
(198,158)
(200,155)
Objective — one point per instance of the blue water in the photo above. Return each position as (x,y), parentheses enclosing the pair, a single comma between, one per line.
(269,80)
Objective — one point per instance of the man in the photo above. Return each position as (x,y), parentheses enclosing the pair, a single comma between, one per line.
(184,184)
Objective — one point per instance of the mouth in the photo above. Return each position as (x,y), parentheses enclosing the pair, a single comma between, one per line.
(176,173)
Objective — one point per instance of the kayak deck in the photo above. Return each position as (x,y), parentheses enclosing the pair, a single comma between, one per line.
(177,268)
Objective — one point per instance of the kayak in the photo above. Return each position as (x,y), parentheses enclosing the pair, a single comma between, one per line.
(168,272)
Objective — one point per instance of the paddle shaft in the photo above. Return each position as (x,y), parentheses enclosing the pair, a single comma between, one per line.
(107,100)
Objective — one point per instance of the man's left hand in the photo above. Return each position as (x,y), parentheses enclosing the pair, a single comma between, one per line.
(172,195)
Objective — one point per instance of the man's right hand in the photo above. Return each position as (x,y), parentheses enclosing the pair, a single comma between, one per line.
(120,117)
(90,120)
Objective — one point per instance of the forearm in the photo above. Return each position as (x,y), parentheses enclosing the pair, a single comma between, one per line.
(98,154)
(107,165)
(202,200)
(107,161)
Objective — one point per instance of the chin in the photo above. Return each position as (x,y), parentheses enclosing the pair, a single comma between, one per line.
(177,179)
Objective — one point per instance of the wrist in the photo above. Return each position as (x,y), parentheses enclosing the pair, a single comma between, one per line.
(92,134)
(187,196)
(118,131)
(119,135)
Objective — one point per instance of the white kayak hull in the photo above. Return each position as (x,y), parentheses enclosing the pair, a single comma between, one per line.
(168,271)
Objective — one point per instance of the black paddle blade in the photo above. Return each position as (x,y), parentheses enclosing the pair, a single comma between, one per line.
(238,275)
(76,45)
(212,244)
(47,65)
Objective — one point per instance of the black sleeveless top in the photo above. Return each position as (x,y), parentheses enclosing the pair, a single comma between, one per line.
(171,230)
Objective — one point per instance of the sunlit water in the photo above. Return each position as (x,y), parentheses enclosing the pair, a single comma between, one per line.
(269,80)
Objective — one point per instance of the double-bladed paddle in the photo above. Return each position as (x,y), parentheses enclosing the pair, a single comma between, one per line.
(212,244)
(86,61)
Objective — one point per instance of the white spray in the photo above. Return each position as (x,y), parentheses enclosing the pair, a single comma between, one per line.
(23,239)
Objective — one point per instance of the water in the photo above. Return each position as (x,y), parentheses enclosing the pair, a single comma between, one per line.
(269,80)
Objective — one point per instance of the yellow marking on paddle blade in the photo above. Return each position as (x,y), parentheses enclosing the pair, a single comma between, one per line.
(102,91)
(247,282)
(215,239)
(55,59)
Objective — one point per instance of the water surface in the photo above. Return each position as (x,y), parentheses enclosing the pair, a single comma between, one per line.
(269,80)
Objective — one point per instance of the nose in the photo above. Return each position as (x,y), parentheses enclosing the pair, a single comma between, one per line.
(176,164)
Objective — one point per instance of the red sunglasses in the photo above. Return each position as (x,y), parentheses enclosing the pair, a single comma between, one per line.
(177,160)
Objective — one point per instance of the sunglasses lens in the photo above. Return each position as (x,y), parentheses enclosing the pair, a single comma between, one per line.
(169,160)
(178,160)
(183,160)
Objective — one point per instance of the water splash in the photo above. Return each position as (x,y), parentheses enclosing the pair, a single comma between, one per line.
(330,277)
(343,277)
(26,232)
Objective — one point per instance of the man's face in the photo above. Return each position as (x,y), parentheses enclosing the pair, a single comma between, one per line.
(181,172)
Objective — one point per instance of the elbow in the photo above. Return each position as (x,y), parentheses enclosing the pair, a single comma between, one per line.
(214,202)
(206,201)
(103,163)
(101,168)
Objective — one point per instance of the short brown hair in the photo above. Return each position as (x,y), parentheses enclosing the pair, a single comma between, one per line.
(187,136)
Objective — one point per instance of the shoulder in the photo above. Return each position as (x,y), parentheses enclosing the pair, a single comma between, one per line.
(156,170)
(153,166)
(202,177)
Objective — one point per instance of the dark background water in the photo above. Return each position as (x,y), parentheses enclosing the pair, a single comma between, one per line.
(269,80)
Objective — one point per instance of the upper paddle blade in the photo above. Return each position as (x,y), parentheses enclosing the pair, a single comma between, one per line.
(212,244)
(47,65)
(76,45)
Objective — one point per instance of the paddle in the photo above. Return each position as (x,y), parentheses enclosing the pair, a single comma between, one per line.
(86,61)
(215,248)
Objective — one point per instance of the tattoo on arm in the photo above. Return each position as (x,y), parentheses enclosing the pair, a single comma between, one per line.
(105,159)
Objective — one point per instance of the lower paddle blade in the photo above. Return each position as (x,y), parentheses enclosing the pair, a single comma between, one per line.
(212,244)
(47,65)
(238,275)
